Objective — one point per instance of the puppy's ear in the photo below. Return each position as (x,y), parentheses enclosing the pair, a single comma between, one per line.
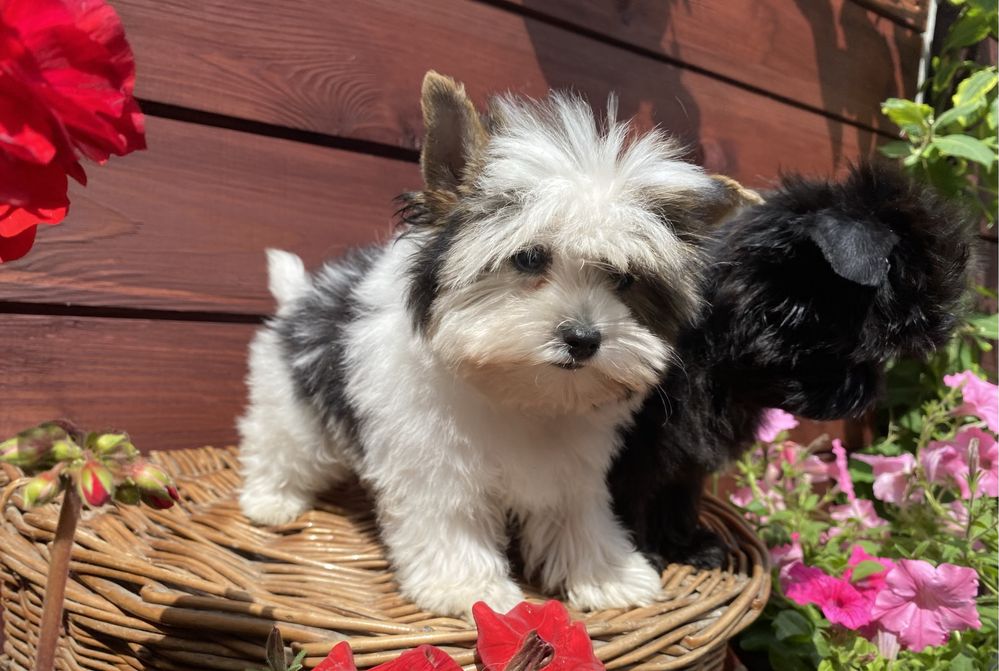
(857,250)
(725,199)
(453,132)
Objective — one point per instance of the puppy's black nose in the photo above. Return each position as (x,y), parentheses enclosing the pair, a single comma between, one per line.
(582,341)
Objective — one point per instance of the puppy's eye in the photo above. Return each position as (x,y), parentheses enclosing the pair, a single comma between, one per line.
(533,260)
(623,281)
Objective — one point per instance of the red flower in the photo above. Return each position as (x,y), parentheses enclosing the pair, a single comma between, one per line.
(66,81)
(95,483)
(156,487)
(339,659)
(423,658)
(503,638)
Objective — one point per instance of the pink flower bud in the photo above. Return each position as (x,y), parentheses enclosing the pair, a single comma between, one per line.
(43,488)
(156,487)
(155,500)
(95,483)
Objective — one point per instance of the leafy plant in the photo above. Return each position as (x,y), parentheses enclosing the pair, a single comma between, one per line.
(911,383)
(857,540)
(950,140)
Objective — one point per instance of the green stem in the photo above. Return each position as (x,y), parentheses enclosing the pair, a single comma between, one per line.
(932,500)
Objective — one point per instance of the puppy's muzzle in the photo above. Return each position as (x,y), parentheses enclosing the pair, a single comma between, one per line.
(581,341)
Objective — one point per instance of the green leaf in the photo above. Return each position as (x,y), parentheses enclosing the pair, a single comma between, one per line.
(964,146)
(986,326)
(974,88)
(993,116)
(784,659)
(970,28)
(911,117)
(896,149)
(790,624)
(962,663)
(944,73)
(298,663)
(860,471)
(820,643)
(960,114)
(865,569)
(948,179)
(757,639)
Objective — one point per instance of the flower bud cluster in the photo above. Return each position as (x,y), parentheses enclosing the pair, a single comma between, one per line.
(100,466)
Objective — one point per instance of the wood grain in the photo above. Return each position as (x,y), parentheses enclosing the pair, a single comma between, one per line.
(184,225)
(829,54)
(169,383)
(352,69)
(912,13)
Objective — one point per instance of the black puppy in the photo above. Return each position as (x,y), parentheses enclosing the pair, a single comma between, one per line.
(810,293)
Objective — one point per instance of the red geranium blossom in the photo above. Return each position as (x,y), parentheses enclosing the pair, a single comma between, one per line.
(423,658)
(502,637)
(66,82)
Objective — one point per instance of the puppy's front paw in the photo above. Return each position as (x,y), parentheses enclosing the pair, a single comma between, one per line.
(633,583)
(272,507)
(457,600)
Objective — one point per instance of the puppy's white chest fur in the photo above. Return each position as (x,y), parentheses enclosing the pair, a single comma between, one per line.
(539,459)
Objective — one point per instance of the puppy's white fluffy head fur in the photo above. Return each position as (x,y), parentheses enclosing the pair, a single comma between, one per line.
(541,225)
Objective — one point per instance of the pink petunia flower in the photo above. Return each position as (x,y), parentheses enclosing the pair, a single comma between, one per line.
(743,496)
(981,398)
(948,462)
(887,643)
(957,518)
(988,458)
(785,556)
(842,470)
(773,423)
(816,470)
(891,476)
(859,510)
(839,601)
(922,605)
(944,464)
(798,581)
(872,584)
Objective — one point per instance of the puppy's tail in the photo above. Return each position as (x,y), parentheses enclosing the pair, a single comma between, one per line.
(287,277)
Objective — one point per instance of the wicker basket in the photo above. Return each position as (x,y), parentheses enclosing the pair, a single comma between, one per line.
(198,587)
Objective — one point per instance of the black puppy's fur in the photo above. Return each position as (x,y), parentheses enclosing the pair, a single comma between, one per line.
(810,293)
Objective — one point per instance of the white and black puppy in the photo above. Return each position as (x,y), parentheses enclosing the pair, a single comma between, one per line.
(479,367)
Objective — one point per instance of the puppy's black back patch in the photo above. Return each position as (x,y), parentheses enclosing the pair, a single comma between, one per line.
(312,337)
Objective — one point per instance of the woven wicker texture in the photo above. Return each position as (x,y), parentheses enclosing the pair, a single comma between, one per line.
(198,587)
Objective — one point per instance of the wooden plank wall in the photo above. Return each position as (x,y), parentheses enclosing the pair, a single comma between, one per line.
(293,125)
